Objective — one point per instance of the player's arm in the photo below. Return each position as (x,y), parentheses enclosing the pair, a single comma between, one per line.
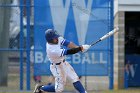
(63,52)
(73,50)
(82,48)
(67,43)
(72,45)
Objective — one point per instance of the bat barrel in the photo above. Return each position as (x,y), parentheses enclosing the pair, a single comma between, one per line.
(106,35)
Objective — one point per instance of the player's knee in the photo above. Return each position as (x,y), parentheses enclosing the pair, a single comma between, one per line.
(59,89)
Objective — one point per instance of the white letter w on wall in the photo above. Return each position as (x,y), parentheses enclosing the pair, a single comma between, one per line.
(60,11)
(59,14)
(81,15)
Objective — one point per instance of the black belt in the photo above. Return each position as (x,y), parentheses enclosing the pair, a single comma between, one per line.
(58,63)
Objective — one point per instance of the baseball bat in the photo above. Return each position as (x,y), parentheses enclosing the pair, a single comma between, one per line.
(106,36)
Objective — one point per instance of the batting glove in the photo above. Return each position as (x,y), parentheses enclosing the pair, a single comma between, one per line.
(85,48)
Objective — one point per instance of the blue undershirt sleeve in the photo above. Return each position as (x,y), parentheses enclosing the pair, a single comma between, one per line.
(65,42)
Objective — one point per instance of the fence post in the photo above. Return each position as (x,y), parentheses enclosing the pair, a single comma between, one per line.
(28,5)
(21,44)
(111,74)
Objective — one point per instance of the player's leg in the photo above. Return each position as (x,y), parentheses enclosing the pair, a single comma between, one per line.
(41,88)
(60,79)
(37,88)
(74,77)
(79,87)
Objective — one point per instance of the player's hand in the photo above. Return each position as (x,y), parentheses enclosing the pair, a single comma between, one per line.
(85,48)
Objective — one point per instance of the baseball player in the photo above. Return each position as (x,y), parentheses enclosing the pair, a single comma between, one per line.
(60,68)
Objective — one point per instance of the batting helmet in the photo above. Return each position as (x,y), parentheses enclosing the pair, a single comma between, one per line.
(50,34)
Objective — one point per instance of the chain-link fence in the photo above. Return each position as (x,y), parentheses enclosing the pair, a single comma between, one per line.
(10,42)
(10,46)
(17,41)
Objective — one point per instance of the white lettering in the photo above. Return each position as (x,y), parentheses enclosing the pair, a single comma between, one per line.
(38,57)
(68,58)
(90,58)
(94,61)
(76,59)
(133,69)
(46,60)
(102,61)
(86,58)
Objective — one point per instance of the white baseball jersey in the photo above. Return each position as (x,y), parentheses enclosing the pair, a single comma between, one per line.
(56,54)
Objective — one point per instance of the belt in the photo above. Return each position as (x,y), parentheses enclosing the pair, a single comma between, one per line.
(58,63)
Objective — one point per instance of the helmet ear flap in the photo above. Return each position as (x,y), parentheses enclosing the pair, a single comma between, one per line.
(50,41)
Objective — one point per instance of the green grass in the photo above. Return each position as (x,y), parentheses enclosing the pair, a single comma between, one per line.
(13,86)
(121,91)
(106,91)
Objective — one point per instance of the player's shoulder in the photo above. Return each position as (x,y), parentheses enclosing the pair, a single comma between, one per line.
(61,39)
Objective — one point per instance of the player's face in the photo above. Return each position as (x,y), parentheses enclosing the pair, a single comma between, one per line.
(55,40)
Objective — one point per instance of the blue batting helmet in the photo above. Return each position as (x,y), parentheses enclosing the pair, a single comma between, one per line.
(50,34)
